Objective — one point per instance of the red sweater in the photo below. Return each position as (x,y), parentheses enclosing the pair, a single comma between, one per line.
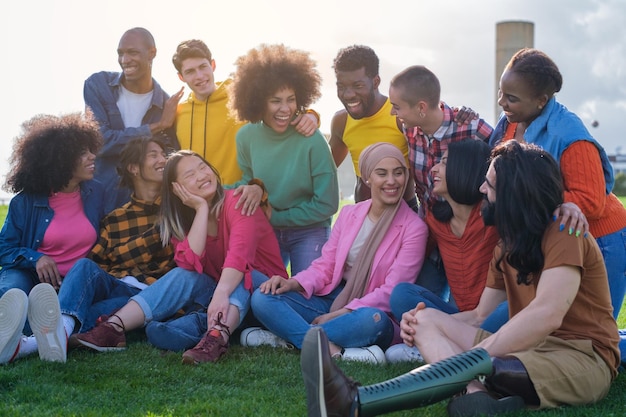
(243,243)
(466,258)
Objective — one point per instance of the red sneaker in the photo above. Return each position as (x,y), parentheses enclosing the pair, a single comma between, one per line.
(105,337)
(211,347)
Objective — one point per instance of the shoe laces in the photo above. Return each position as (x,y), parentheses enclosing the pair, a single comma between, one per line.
(220,325)
(209,341)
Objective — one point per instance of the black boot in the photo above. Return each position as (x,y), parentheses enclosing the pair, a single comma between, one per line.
(329,392)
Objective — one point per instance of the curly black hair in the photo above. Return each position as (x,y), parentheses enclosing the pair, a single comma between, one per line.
(46,153)
(267,69)
(355,57)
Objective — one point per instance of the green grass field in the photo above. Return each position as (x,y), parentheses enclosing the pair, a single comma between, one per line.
(143,381)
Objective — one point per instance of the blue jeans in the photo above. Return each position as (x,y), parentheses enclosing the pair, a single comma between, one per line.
(613,248)
(290,315)
(405,297)
(300,247)
(185,332)
(88,292)
(622,349)
(497,318)
(179,289)
(432,277)
(23,279)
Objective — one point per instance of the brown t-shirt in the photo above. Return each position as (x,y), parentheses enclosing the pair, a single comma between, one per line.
(590,316)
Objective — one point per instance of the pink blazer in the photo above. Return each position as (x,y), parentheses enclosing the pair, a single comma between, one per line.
(399,257)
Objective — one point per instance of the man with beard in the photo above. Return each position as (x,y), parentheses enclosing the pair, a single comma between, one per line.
(128,105)
(366,118)
(367,115)
(559,347)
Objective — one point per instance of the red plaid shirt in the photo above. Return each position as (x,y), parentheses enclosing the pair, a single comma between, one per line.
(425,151)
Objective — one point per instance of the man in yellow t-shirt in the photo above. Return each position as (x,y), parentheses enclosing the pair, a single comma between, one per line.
(366,117)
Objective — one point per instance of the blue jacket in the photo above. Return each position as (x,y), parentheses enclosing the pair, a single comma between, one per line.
(28,218)
(101,92)
(555,129)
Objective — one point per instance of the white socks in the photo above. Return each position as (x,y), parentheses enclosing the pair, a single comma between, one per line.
(68,323)
(28,344)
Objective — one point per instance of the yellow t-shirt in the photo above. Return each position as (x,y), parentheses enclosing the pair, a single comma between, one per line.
(207,128)
(380,127)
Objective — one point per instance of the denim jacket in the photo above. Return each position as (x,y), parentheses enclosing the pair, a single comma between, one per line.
(28,218)
(101,92)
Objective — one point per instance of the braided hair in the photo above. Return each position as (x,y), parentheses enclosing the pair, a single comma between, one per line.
(538,70)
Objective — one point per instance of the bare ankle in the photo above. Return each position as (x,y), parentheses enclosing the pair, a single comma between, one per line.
(117,321)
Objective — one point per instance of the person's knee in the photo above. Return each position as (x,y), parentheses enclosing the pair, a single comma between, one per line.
(258,300)
(402,299)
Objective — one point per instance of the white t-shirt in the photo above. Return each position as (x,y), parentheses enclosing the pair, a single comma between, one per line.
(361,237)
(133,107)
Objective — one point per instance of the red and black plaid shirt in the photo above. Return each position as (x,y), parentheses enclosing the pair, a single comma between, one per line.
(425,151)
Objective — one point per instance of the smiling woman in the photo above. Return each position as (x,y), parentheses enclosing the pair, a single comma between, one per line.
(53,219)
(271,86)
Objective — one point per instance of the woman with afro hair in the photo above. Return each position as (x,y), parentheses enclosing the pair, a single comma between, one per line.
(53,220)
(271,86)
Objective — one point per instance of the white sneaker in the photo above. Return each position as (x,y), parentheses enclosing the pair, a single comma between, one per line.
(44,316)
(403,353)
(371,354)
(13,308)
(256,336)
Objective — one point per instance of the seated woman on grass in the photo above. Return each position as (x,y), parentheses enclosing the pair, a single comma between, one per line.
(214,239)
(52,222)
(374,245)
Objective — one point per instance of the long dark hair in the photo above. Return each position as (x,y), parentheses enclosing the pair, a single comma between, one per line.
(528,188)
(468,161)
(177,218)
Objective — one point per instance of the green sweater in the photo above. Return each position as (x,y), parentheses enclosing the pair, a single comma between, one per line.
(298,172)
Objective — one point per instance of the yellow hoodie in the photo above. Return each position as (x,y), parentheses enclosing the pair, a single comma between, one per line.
(207,128)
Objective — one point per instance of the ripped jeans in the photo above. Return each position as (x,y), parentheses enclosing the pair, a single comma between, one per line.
(290,315)
(301,246)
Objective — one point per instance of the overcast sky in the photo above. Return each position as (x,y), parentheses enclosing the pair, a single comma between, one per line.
(49,47)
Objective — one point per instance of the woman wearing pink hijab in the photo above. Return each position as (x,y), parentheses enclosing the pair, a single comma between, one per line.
(373,246)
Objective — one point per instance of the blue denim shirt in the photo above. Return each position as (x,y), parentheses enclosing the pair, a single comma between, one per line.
(28,218)
(101,93)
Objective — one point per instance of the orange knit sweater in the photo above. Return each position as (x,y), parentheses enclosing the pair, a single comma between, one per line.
(584,185)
